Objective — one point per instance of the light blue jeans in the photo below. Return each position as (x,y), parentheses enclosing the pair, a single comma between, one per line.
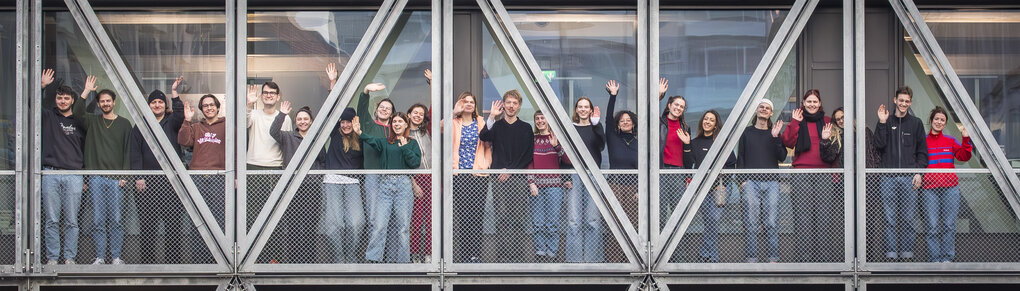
(757,193)
(397,199)
(899,207)
(107,208)
(941,208)
(545,216)
(584,242)
(343,219)
(61,194)
(710,215)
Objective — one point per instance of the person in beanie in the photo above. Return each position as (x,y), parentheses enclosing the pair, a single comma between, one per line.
(343,210)
(154,195)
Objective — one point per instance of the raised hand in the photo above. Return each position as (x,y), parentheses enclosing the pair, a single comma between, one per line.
(777,128)
(90,85)
(827,131)
(285,107)
(458,108)
(663,86)
(374,87)
(798,114)
(331,72)
(613,87)
(188,112)
(356,125)
(684,136)
(177,83)
(253,94)
(401,140)
(47,77)
(883,114)
(496,110)
(963,130)
(428,75)
(552,138)
(597,113)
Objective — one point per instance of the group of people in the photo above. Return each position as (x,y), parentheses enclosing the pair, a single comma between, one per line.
(394,209)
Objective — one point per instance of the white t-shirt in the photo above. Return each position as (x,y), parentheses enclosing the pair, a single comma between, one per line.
(262,148)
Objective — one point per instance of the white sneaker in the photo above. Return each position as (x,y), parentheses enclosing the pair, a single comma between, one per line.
(51,263)
(118,261)
(69,262)
(98,261)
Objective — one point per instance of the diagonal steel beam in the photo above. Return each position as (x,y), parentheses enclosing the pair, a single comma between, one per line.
(959,99)
(104,49)
(525,65)
(760,81)
(343,91)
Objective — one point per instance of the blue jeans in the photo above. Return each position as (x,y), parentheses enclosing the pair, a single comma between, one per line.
(755,193)
(397,199)
(61,194)
(545,216)
(941,208)
(107,207)
(584,242)
(343,219)
(899,207)
(371,193)
(710,215)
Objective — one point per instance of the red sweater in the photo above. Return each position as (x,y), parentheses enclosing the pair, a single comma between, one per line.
(942,149)
(547,156)
(812,158)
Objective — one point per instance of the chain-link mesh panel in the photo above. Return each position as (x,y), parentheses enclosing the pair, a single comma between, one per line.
(671,187)
(952,217)
(502,220)
(137,218)
(793,217)
(625,186)
(258,189)
(346,219)
(8,247)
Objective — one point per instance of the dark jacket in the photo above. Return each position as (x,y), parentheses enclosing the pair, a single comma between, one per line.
(63,138)
(623,147)
(901,142)
(289,141)
(142,157)
(699,148)
(336,158)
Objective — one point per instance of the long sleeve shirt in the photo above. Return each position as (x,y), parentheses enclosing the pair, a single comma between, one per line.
(512,144)
(207,144)
(337,158)
(142,157)
(393,156)
(263,150)
(901,142)
(758,149)
(942,150)
(63,138)
(370,127)
(106,144)
(623,146)
(812,158)
(547,156)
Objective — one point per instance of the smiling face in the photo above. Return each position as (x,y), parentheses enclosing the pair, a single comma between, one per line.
(903,102)
(64,103)
(812,103)
(583,109)
(676,108)
(417,116)
(303,121)
(398,125)
(541,125)
(158,107)
(511,106)
(708,123)
(938,122)
(209,108)
(468,103)
(384,110)
(106,103)
(270,96)
(625,124)
(346,126)
(838,117)
(764,111)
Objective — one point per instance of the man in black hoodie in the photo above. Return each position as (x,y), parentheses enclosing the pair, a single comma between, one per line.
(901,142)
(62,139)
(155,197)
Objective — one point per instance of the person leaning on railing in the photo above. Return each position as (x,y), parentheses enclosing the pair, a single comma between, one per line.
(940,195)
(811,194)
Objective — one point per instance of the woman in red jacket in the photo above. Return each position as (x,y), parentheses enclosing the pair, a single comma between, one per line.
(941,194)
(813,203)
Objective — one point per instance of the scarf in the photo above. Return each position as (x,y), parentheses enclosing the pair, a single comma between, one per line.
(803,136)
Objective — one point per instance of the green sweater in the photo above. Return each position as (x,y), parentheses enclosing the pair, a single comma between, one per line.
(369,127)
(106,143)
(391,155)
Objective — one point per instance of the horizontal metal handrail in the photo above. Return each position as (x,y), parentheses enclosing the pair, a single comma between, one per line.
(926,170)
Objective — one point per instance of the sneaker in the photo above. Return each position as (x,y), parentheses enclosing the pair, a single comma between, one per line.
(51,263)
(69,262)
(98,261)
(118,261)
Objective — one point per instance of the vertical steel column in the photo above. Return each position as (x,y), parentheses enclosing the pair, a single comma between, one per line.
(645,45)
(649,144)
(341,94)
(859,166)
(756,88)
(439,68)
(446,93)
(34,216)
(525,66)
(21,176)
(240,141)
(171,164)
(235,18)
(852,38)
(959,99)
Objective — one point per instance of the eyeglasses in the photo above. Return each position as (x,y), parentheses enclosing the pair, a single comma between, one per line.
(270,93)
